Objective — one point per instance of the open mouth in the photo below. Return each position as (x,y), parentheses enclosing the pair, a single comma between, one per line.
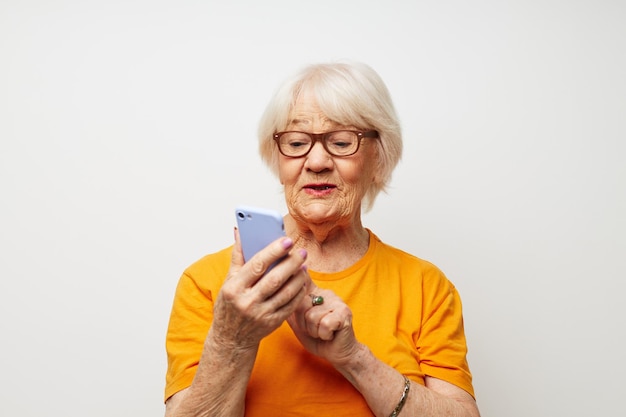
(319,187)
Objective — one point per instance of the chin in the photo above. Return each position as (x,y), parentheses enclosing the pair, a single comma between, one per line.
(319,212)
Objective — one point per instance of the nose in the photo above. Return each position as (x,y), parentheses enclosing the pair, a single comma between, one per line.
(318,159)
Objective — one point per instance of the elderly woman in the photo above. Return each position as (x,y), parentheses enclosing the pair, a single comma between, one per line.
(344,325)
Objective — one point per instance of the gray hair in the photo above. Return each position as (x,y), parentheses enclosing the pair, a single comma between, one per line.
(349,94)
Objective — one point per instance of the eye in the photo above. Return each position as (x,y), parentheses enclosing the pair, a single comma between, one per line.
(296,144)
(295,140)
(340,144)
(341,139)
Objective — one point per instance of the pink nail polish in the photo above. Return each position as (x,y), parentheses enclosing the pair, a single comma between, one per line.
(287,243)
(302,253)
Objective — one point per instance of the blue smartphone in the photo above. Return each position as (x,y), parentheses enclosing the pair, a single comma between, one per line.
(258,227)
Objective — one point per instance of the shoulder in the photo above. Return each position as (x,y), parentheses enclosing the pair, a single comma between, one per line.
(394,254)
(410,266)
(212,261)
(208,272)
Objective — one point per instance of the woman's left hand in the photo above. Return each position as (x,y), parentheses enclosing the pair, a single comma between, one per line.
(326,329)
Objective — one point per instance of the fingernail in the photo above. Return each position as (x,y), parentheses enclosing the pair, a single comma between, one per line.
(304,268)
(302,253)
(287,243)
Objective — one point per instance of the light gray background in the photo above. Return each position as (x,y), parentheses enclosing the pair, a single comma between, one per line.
(127,136)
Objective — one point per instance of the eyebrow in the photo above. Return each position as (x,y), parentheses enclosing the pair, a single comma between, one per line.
(305,122)
(299,122)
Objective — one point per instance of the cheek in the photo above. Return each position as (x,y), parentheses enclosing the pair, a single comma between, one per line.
(359,173)
(288,171)
(362,175)
(356,180)
(280,176)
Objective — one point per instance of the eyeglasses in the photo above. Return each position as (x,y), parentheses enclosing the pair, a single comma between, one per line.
(338,143)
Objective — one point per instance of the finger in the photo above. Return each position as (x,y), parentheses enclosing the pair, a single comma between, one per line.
(312,289)
(258,265)
(236,260)
(331,323)
(289,298)
(284,279)
(284,301)
(314,315)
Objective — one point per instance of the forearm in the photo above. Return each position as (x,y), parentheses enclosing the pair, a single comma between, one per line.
(382,387)
(219,386)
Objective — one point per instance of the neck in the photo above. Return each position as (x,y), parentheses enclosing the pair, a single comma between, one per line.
(330,247)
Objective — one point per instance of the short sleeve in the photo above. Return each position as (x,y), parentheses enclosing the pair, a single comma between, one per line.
(441,342)
(191,318)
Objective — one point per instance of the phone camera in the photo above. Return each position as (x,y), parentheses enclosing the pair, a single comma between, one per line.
(241,215)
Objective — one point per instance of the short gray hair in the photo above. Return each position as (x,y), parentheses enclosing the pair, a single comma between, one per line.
(349,93)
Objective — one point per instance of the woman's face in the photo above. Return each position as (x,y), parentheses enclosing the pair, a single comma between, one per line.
(319,187)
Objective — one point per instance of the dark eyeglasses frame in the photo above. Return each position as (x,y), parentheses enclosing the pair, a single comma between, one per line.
(315,137)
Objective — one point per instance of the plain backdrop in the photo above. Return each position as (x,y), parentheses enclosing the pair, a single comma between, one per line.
(128,135)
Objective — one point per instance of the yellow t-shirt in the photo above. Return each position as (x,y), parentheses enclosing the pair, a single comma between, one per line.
(404,309)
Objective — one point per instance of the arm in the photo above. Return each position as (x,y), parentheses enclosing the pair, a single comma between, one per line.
(326,331)
(219,386)
(382,386)
(246,310)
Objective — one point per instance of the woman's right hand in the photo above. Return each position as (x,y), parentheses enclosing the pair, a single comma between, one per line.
(251,305)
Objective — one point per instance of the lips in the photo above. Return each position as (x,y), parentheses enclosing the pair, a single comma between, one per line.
(319,187)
